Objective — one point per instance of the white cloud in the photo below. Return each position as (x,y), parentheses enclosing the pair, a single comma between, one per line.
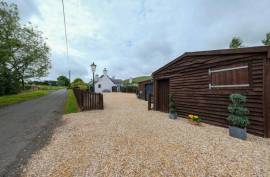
(136,37)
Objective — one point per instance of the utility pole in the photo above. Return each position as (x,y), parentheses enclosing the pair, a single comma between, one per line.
(65,25)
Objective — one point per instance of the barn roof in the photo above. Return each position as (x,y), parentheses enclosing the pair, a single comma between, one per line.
(257,49)
(146,80)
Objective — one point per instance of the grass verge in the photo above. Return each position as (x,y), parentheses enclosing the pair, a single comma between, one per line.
(49,87)
(20,97)
(71,105)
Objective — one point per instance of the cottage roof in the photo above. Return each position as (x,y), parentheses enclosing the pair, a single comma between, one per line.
(115,81)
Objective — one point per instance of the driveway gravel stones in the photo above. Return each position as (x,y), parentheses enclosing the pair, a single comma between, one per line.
(125,139)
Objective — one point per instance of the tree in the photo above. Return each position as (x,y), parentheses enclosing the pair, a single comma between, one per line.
(8,83)
(63,81)
(23,50)
(266,41)
(31,60)
(236,43)
(8,45)
(79,83)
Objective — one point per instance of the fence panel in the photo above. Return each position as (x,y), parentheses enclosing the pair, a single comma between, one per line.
(88,100)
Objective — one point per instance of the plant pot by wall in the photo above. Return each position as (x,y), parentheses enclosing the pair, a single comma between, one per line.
(237,132)
(173,115)
(194,122)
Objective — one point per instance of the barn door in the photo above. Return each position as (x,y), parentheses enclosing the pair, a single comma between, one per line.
(148,90)
(163,95)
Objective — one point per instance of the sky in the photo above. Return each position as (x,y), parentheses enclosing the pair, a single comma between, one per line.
(136,37)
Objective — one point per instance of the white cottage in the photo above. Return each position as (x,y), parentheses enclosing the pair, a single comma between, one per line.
(106,84)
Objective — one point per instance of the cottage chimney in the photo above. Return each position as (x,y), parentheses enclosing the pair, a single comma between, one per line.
(96,77)
(105,72)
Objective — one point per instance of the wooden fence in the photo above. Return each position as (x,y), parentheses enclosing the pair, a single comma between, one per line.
(88,100)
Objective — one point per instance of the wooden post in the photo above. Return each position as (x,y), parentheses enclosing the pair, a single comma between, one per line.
(81,101)
(101,97)
(149,101)
(266,91)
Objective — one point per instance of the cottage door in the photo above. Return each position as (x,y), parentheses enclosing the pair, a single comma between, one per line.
(163,95)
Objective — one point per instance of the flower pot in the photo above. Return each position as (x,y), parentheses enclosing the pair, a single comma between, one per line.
(194,122)
(237,132)
(173,115)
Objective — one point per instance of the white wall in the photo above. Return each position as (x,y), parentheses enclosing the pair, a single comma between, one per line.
(106,84)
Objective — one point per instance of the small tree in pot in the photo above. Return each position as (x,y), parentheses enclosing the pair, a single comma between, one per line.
(172,106)
(238,120)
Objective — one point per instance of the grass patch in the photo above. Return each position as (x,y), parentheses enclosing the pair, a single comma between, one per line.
(20,97)
(71,105)
(136,80)
(49,87)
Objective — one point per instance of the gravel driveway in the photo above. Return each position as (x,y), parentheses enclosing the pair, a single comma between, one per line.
(127,140)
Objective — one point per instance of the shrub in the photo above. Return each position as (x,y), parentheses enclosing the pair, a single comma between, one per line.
(238,113)
(194,118)
(172,105)
(129,89)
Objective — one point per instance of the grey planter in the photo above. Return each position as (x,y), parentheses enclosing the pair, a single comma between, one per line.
(173,115)
(237,132)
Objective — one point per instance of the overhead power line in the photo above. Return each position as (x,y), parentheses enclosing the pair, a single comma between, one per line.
(65,25)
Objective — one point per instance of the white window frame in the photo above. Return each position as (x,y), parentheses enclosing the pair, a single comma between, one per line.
(226,69)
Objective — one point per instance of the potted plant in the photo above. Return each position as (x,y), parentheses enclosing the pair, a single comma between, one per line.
(238,120)
(194,119)
(172,107)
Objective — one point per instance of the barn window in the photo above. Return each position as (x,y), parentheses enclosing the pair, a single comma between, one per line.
(99,85)
(229,77)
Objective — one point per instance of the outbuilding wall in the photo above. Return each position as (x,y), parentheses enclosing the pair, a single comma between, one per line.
(142,88)
(189,81)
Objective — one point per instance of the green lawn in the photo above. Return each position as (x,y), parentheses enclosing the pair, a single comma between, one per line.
(20,97)
(48,87)
(71,105)
(136,80)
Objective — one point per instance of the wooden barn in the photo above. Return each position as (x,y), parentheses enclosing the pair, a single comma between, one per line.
(201,83)
(145,88)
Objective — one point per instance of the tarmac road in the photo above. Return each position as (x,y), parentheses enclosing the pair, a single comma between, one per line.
(24,127)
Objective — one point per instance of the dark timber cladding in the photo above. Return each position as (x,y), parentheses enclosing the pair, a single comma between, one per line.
(145,88)
(201,83)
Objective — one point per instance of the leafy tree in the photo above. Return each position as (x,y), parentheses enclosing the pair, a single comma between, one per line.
(266,41)
(236,43)
(63,81)
(79,83)
(8,45)
(23,52)
(32,58)
(8,83)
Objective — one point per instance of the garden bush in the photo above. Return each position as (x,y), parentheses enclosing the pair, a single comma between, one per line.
(172,105)
(238,112)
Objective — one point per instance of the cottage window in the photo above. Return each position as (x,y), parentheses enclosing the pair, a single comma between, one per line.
(229,77)
(99,85)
